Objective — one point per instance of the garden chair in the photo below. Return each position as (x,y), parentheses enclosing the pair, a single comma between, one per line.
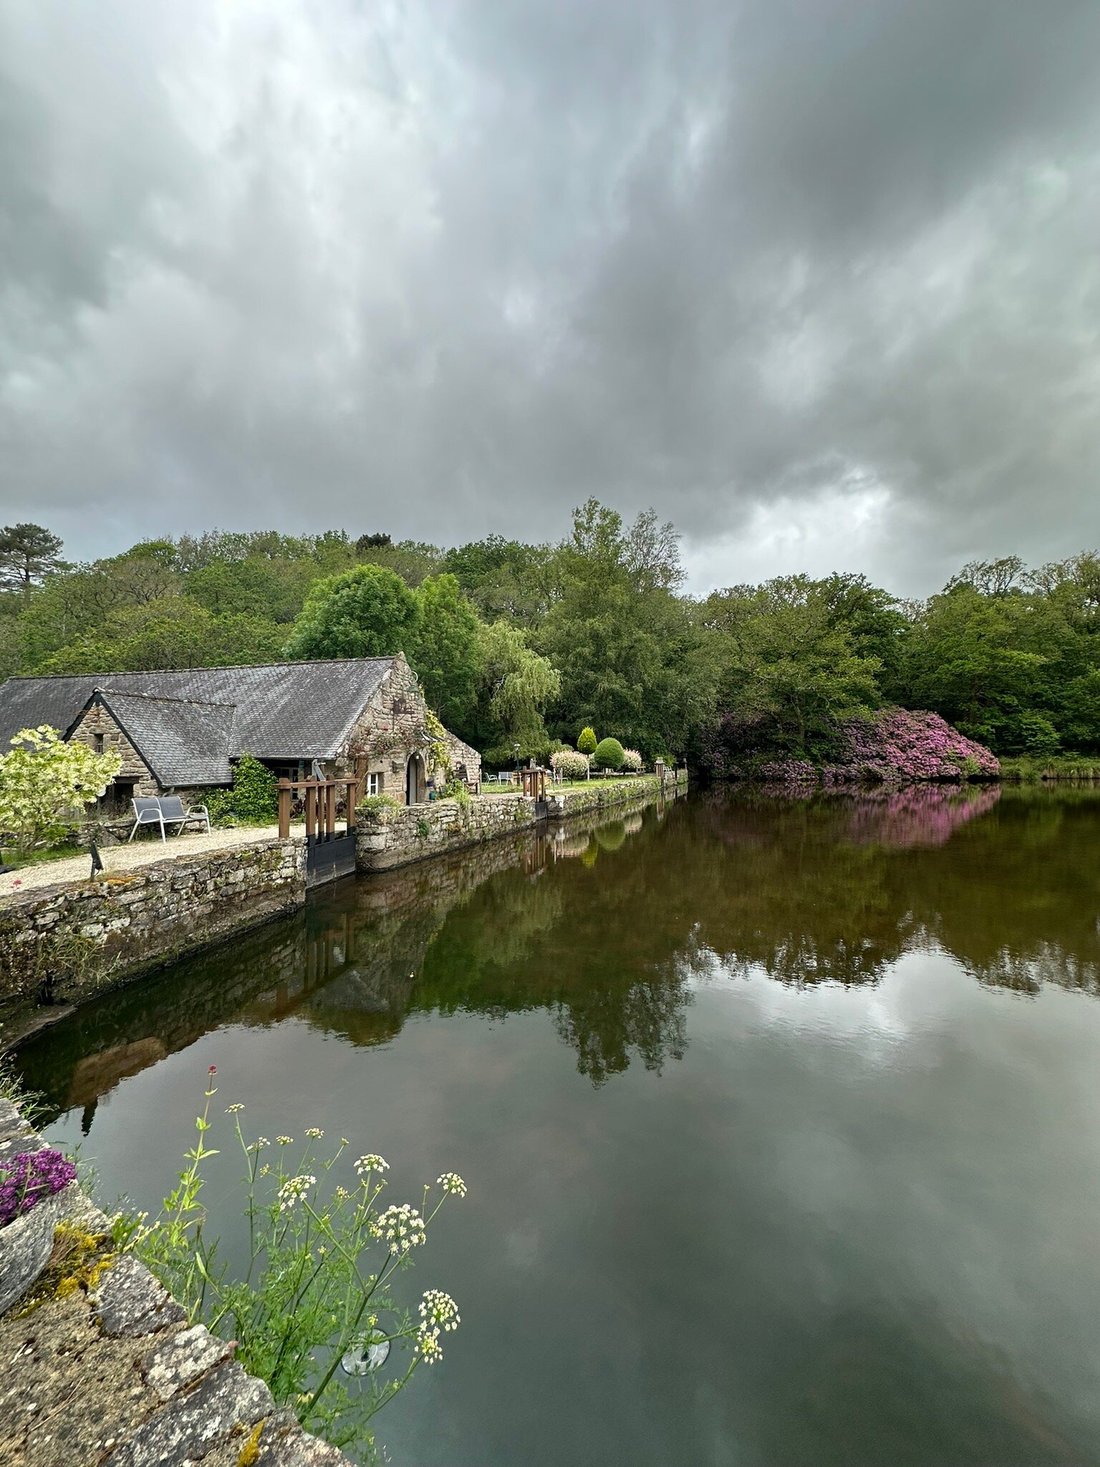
(167,810)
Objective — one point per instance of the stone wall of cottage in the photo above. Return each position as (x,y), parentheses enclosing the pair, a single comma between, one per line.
(391,729)
(66,943)
(463,756)
(97,720)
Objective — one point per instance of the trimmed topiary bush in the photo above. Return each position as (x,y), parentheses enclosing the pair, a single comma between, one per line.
(570,764)
(608,754)
(632,761)
(587,741)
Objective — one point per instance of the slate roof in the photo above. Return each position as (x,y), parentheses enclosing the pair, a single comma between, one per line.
(184,742)
(285,710)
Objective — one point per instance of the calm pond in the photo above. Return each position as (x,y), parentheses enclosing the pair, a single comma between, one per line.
(781,1123)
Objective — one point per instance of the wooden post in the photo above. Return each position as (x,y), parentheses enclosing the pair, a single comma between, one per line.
(310,788)
(330,810)
(284,809)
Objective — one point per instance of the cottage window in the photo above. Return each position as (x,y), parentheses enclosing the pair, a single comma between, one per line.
(97,743)
(375,783)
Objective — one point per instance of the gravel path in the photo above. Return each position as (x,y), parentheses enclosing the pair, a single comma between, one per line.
(142,852)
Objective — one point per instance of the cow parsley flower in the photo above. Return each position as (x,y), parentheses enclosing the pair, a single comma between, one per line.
(293,1190)
(427,1345)
(314,1132)
(439,1311)
(452,1184)
(372,1162)
(284,1140)
(400,1227)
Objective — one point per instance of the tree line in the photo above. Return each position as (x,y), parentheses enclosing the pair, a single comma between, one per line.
(519,646)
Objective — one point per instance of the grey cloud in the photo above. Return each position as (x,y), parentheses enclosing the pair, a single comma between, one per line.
(807,277)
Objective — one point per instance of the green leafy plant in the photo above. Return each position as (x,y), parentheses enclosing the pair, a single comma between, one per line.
(587,741)
(377,806)
(252,800)
(632,761)
(439,754)
(608,754)
(45,784)
(317,1288)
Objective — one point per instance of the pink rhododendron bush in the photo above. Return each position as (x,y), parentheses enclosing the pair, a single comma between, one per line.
(894,747)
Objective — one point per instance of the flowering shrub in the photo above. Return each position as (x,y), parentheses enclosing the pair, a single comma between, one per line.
(45,784)
(570,764)
(311,1296)
(30,1177)
(608,755)
(895,747)
(632,761)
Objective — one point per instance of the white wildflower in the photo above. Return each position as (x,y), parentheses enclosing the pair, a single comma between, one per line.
(372,1162)
(314,1132)
(231,1110)
(259,1143)
(284,1140)
(452,1184)
(293,1190)
(427,1345)
(400,1227)
(439,1311)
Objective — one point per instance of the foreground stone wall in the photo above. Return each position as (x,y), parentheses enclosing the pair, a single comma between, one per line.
(100,1366)
(65,943)
(395,837)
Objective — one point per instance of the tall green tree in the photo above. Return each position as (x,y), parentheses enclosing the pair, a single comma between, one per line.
(790,671)
(445,650)
(28,554)
(632,657)
(516,685)
(366,612)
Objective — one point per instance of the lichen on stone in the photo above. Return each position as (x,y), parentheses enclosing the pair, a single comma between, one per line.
(250,1451)
(77,1263)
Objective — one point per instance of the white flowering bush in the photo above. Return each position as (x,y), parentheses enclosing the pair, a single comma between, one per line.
(632,761)
(570,763)
(45,784)
(318,1283)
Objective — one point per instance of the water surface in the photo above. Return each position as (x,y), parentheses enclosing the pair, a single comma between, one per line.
(780,1123)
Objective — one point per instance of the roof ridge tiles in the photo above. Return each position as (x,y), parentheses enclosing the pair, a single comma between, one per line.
(219,667)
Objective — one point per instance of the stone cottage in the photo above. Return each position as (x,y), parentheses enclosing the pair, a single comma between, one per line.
(182,730)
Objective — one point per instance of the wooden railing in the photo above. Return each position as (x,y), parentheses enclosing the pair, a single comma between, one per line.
(319,799)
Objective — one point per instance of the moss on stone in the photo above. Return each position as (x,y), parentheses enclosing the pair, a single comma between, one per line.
(77,1264)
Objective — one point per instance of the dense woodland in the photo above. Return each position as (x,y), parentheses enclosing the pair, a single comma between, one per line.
(522,645)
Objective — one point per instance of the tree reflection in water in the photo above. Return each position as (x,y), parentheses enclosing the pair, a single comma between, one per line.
(608,927)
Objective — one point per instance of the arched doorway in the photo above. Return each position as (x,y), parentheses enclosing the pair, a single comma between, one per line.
(416,781)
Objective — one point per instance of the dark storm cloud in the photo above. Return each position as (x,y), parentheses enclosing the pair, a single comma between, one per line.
(817,280)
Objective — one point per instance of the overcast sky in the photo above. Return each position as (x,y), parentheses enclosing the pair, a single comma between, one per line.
(819,280)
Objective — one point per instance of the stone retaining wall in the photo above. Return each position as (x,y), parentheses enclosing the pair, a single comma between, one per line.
(390,837)
(65,943)
(103,1369)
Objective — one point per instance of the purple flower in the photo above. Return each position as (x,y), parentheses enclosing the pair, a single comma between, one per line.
(29,1177)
